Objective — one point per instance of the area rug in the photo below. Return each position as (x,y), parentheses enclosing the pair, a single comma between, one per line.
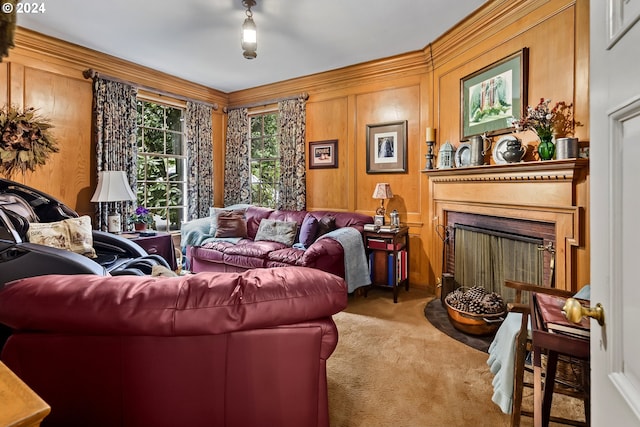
(392,367)
(436,314)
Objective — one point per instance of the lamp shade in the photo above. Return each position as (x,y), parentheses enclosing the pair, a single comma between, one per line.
(113,186)
(382,191)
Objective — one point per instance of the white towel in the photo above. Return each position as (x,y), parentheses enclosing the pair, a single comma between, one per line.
(502,355)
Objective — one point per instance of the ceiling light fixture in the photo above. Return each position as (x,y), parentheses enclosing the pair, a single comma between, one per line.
(249,32)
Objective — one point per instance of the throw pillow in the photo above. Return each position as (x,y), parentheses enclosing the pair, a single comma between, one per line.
(213,215)
(308,230)
(277,231)
(73,234)
(326,224)
(231,224)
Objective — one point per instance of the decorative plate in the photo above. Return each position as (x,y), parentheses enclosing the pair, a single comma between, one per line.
(463,155)
(500,147)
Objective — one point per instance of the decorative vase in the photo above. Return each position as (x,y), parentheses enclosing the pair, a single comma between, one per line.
(140,226)
(546,148)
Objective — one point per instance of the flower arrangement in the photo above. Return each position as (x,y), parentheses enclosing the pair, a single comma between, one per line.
(547,122)
(141,215)
(25,140)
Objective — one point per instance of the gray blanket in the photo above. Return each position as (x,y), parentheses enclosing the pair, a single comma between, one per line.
(355,260)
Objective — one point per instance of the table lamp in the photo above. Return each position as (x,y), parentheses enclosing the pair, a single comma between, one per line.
(113,186)
(382,192)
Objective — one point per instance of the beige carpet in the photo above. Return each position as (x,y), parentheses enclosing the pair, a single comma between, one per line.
(393,368)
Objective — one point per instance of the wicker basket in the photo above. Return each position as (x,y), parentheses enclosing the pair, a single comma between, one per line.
(474,324)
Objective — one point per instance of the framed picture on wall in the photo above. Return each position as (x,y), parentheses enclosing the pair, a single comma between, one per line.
(491,98)
(387,147)
(323,154)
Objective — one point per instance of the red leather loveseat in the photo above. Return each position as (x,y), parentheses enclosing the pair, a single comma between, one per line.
(321,253)
(204,350)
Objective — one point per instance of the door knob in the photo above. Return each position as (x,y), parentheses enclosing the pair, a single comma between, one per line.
(574,311)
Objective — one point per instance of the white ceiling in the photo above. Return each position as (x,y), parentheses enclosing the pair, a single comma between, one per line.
(199,40)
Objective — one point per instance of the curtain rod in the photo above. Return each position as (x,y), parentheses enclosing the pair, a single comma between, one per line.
(303,95)
(90,73)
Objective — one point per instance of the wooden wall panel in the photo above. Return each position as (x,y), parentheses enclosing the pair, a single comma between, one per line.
(329,188)
(385,106)
(66,102)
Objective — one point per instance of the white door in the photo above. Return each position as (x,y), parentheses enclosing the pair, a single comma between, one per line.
(615,203)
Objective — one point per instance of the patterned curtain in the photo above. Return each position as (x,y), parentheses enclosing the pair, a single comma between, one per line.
(200,158)
(114,115)
(293,180)
(237,172)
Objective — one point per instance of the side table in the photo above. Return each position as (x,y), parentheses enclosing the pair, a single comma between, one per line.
(553,345)
(160,244)
(388,253)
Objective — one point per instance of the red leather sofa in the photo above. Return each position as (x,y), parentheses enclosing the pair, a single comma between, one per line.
(209,349)
(324,254)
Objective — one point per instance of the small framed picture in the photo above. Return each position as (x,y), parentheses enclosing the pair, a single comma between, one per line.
(387,147)
(378,220)
(323,154)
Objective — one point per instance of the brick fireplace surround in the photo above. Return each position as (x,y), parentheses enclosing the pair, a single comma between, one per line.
(543,192)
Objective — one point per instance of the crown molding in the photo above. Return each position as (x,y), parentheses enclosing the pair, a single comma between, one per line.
(62,54)
(394,67)
(489,20)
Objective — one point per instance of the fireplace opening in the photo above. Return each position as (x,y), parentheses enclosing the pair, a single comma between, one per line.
(486,250)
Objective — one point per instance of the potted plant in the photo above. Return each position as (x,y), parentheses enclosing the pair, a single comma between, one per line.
(546,123)
(141,218)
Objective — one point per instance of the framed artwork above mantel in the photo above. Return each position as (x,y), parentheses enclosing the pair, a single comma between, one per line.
(492,97)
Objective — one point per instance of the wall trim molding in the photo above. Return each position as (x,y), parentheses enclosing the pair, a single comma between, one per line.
(59,53)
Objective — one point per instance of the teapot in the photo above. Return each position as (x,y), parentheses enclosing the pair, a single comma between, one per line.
(514,152)
(477,149)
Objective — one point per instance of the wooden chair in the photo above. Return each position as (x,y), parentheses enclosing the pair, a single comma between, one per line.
(523,346)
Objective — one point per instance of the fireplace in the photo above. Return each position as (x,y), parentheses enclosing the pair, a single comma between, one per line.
(485,250)
(533,201)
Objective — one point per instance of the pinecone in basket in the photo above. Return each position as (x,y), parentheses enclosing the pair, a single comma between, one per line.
(475,300)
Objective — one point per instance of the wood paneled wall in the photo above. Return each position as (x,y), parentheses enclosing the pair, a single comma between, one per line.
(421,87)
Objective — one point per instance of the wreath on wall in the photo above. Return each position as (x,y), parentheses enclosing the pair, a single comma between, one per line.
(25,140)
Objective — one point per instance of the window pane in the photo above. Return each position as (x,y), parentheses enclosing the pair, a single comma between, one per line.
(175,194)
(153,115)
(161,164)
(176,216)
(174,119)
(153,141)
(256,147)
(271,124)
(256,126)
(265,162)
(140,139)
(174,143)
(271,147)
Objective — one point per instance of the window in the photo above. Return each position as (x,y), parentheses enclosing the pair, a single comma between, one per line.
(265,159)
(162,162)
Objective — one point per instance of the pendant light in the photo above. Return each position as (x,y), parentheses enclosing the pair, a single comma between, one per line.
(249,32)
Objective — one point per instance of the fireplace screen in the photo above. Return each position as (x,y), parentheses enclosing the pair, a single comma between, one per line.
(486,258)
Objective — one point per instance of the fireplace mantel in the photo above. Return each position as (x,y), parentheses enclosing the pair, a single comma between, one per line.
(524,171)
(546,191)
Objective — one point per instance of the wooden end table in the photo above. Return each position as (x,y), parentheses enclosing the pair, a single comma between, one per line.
(388,253)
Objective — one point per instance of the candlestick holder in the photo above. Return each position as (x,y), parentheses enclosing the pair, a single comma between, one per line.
(429,154)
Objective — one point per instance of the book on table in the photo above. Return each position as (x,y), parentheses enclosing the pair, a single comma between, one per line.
(550,308)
